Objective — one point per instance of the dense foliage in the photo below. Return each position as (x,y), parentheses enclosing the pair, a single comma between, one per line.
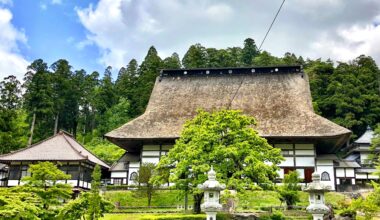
(289,190)
(225,139)
(89,104)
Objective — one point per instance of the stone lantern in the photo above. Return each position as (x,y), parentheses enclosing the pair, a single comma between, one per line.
(211,190)
(316,192)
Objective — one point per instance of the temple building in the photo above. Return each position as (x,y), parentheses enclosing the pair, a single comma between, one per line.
(62,149)
(360,152)
(278,97)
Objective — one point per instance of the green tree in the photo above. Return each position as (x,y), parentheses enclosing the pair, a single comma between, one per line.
(146,172)
(148,72)
(38,100)
(15,204)
(13,126)
(127,86)
(44,183)
(266,59)
(249,52)
(105,150)
(288,192)
(89,205)
(172,62)
(225,139)
(195,57)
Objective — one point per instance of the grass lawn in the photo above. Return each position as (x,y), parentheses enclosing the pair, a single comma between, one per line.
(136,198)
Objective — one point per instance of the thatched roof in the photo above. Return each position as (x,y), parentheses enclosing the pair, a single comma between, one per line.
(60,147)
(278,97)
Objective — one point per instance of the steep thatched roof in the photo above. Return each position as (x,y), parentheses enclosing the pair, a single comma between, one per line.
(278,97)
(60,147)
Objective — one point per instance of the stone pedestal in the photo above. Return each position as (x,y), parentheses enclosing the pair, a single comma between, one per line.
(316,192)
(211,190)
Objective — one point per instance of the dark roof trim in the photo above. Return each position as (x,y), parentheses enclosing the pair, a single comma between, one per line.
(231,71)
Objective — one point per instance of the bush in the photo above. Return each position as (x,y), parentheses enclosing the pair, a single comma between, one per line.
(347,212)
(275,216)
(171,217)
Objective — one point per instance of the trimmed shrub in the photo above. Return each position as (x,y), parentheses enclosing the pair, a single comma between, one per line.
(172,217)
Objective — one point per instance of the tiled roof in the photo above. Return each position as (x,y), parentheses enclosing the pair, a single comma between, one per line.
(366,137)
(348,164)
(60,147)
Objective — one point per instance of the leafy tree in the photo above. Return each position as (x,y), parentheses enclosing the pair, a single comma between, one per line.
(288,192)
(148,72)
(116,116)
(266,59)
(146,172)
(15,204)
(105,150)
(13,126)
(43,182)
(226,140)
(89,205)
(127,86)
(38,100)
(172,62)
(61,89)
(249,52)
(195,57)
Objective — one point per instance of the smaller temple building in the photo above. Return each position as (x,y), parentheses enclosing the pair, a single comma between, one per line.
(62,149)
(360,152)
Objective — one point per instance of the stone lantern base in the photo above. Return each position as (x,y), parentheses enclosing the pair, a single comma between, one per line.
(318,216)
(210,215)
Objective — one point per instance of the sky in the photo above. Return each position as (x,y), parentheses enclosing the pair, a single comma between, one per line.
(95,34)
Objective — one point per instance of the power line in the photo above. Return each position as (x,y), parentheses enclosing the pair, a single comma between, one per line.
(270,27)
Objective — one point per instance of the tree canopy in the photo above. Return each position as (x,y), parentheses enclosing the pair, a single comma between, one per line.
(226,140)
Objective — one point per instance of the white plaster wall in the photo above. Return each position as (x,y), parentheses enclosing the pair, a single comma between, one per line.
(134,164)
(330,171)
(361,176)
(118,174)
(339,172)
(281,173)
(375,177)
(12,182)
(72,182)
(350,172)
(305,161)
(301,173)
(324,162)
(288,162)
(154,160)
(151,153)
(304,152)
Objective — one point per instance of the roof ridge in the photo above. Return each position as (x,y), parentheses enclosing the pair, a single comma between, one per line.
(85,149)
(31,146)
(78,152)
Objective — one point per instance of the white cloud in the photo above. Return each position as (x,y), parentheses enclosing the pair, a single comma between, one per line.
(125,29)
(43,6)
(351,43)
(11,61)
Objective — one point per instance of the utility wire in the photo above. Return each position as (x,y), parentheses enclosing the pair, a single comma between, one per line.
(270,27)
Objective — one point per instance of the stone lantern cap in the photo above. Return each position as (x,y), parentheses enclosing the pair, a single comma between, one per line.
(316,185)
(211,183)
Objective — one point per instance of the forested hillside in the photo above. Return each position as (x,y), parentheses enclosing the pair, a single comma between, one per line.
(89,104)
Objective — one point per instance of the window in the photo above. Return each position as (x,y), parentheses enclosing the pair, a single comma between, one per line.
(118,181)
(133,176)
(325,176)
(24,171)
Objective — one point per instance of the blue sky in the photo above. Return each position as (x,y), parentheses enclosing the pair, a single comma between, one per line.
(54,31)
(94,34)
